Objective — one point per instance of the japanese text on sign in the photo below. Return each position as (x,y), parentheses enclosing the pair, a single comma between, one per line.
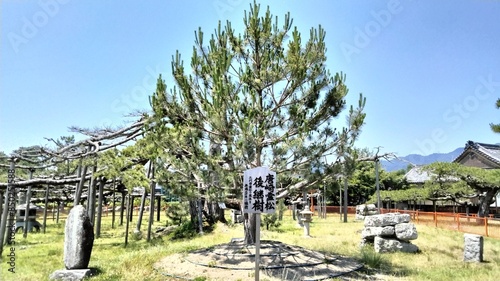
(259,191)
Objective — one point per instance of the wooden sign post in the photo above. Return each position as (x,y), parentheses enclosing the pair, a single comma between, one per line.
(259,196)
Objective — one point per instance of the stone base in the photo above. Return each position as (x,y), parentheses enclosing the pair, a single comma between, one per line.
(71,274)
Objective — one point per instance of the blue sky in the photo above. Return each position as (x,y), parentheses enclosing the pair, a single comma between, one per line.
(430,70)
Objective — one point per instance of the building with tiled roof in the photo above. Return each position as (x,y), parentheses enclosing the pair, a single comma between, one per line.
(481,155)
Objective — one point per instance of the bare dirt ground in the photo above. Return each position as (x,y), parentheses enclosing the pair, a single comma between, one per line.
(278,261)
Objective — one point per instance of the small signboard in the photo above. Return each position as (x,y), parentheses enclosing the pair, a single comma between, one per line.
(259,191)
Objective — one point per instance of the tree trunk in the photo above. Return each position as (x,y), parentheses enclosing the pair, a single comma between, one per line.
(192,211)
(484,202)
(250,228)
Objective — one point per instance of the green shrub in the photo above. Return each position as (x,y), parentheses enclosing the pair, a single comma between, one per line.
(270,220)
(185,230)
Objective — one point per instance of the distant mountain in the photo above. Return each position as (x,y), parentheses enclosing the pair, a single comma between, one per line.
(418,159)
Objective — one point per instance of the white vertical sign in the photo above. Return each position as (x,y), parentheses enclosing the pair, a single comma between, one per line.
(259,191)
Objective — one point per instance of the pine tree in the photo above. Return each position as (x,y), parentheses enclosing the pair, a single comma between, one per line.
(261,98)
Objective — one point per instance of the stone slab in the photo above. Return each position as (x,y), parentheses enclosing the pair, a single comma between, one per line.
(71,274)
(371,232)
(383,245)
(387,219)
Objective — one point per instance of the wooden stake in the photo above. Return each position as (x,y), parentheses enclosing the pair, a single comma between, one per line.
(257,246)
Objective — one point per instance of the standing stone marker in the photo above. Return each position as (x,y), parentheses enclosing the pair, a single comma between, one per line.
(473,248)
(78,239)
(78,243)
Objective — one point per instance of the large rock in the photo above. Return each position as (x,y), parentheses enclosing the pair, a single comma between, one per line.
(370,232)
(78,239)
(383,245)
(406,231)
(387,219)
(365,210)
(473,248)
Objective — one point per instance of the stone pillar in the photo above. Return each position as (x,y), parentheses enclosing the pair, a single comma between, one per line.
(473,248)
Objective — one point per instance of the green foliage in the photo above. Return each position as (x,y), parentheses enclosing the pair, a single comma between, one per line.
(178,212)
(496,127)
(125,165)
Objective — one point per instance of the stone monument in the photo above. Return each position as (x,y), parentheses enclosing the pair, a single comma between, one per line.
(78,243)
(473,248)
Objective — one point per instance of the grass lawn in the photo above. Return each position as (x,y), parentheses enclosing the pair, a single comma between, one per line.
(440,258)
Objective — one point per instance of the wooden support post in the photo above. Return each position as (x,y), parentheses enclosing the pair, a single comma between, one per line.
(79,189)
(99,207)
(46,206)
(141,209)
(345,199)
(158,209)
(151,209)
(27,210)
(91,195)
(9,208)
(3,224)
(486,226)
(58,211)
(113,205)
(1,202)
(130,203)
(122,209)
(131,213)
